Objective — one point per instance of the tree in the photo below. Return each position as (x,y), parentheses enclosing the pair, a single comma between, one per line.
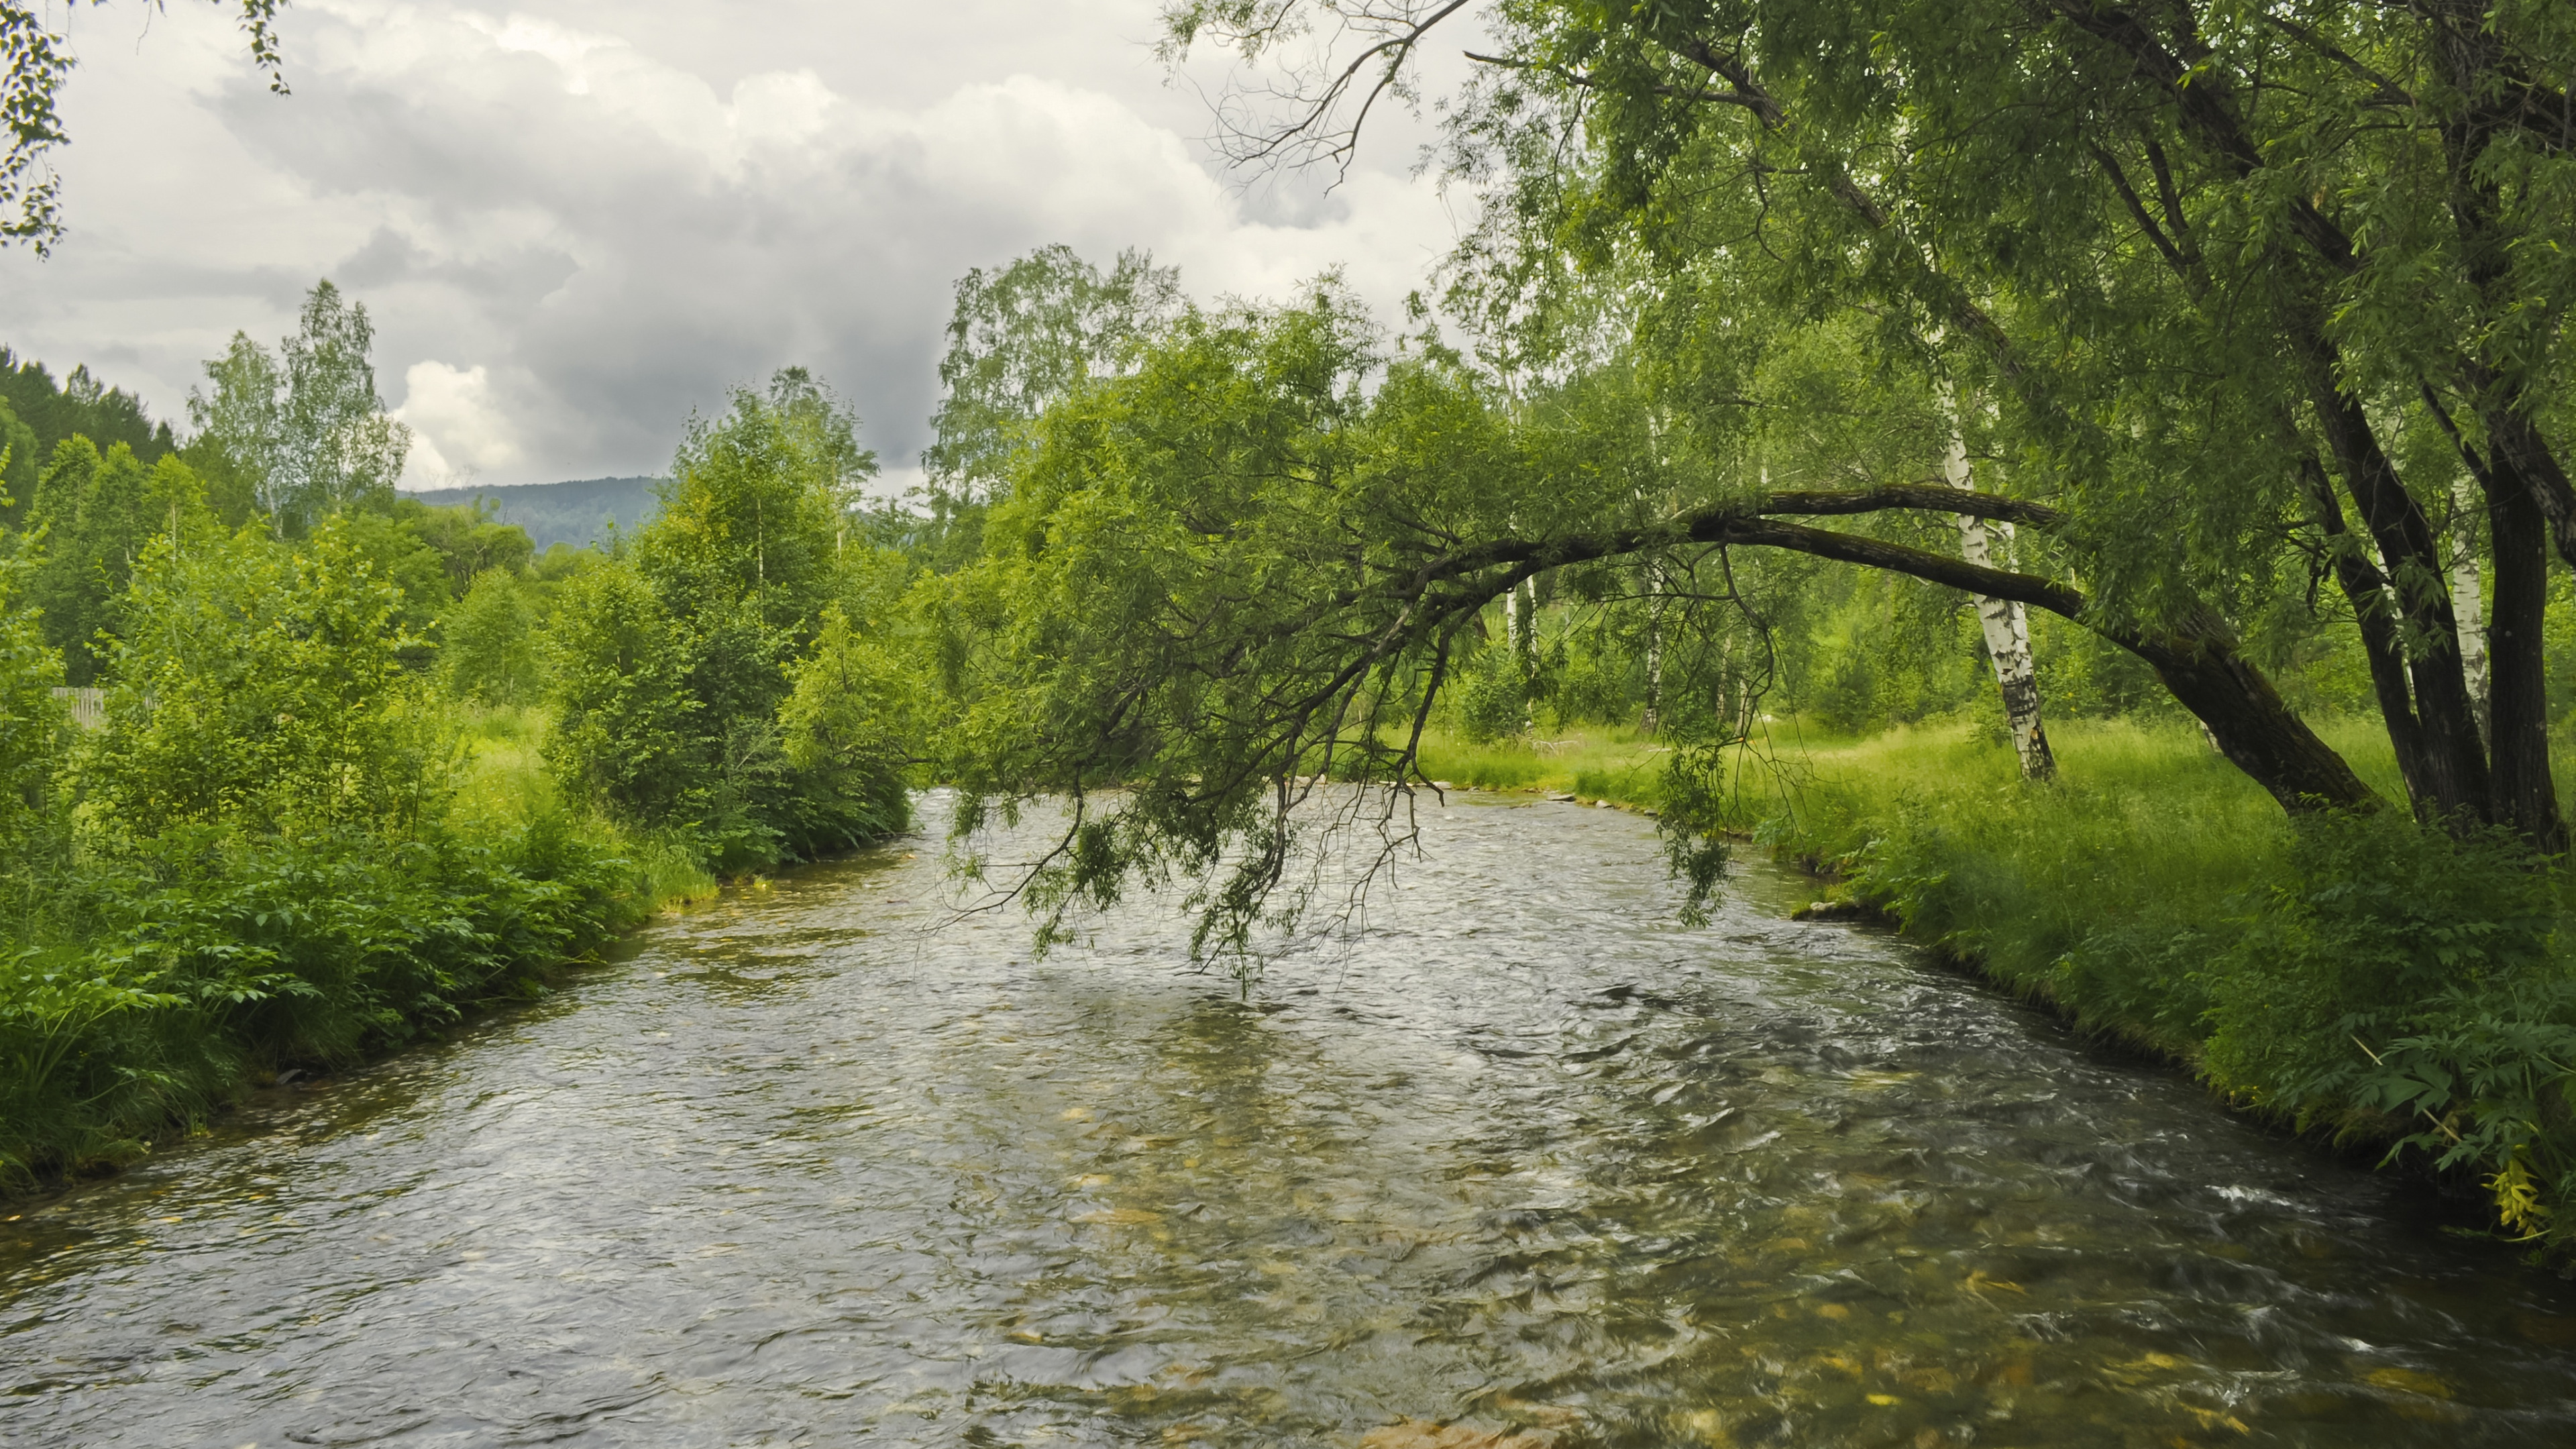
(38,61)
(488,643)
(97,516)
(1019,340)
(674,662)
(305,426)
(258,689)
(80,405)
(1027,336)
(2217,269)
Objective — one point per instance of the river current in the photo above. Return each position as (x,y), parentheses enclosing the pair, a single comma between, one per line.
(1528,1163)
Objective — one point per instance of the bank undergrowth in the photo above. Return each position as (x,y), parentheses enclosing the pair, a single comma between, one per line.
(359,767)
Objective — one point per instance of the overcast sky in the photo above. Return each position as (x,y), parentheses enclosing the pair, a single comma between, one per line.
(575,220)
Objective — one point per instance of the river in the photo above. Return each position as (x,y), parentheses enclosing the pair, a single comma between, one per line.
(1530,1160)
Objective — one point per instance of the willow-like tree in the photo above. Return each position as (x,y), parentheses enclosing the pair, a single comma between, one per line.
(2240,279)
(2246,291)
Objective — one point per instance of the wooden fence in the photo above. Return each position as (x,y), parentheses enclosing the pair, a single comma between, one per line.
(89,706)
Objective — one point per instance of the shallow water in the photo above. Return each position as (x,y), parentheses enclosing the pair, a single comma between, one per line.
(1531,1158)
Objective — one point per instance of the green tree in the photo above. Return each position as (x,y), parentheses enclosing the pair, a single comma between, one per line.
(2214,267)
(488,642)
(259,689)
(49,412)
(1020,339)
(97,516)
(671,664)
(303,427)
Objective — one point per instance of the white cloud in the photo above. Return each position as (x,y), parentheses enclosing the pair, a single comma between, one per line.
(459,431)
(611,213)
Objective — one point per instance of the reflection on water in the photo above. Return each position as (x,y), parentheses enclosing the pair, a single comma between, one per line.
(1532,1161)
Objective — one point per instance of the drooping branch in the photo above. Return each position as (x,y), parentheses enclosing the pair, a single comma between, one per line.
(1328,107)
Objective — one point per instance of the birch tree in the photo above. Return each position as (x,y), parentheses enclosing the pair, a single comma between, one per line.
(2006,622)
(304,424)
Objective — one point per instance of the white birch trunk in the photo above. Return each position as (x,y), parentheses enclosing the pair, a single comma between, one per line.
(1654,643)
(1526,641)
(2006,622)
(2466,604)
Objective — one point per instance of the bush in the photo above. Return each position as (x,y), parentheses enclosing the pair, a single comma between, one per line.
(2401,971)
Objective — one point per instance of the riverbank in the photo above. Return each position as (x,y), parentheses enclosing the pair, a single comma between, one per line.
(2351,978)
(826,1160)
(152,993)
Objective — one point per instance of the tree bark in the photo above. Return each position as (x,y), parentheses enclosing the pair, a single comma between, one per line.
(2366,589)
(2519,702)
(2468,605)
(2455,763)
(2006,622)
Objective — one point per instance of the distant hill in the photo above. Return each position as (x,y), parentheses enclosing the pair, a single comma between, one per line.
(576,513)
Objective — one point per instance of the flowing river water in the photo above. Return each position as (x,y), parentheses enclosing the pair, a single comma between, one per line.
(1530,1160)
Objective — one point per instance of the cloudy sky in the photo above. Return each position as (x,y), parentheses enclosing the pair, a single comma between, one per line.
(575,220)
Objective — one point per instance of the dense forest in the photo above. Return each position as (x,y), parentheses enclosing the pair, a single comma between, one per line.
(2086,478)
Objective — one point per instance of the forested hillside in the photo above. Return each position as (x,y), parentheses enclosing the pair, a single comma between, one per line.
(584,513)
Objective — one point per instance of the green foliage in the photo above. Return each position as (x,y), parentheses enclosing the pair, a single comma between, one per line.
(270,867)
(35,733)
(2424,976)
(468,539)
(260,688)
(303,427)
(37,416)
(1021,340)
(488,643)
(678,669)
(97,516)
(1492,698)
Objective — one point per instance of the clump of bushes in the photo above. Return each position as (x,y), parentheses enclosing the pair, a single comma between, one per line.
(256,861)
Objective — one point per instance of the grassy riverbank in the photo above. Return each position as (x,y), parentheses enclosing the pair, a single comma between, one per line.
(2348,976)
(150,986)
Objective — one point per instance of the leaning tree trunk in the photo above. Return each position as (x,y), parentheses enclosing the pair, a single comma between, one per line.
(2006,622)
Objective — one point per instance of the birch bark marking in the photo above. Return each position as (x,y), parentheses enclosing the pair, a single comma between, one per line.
(1654,644)
(2466,602)
(2007,623)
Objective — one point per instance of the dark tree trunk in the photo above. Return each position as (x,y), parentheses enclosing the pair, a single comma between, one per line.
(2518,699)
(2455,762)
(2366,589)
(2254,727)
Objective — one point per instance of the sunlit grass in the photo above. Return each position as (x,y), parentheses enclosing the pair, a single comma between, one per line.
(504,783)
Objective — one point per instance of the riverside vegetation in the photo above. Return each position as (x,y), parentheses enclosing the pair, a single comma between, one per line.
(2089,474)
(365,764)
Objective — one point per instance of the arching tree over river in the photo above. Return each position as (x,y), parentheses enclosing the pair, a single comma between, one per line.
(2243,295)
